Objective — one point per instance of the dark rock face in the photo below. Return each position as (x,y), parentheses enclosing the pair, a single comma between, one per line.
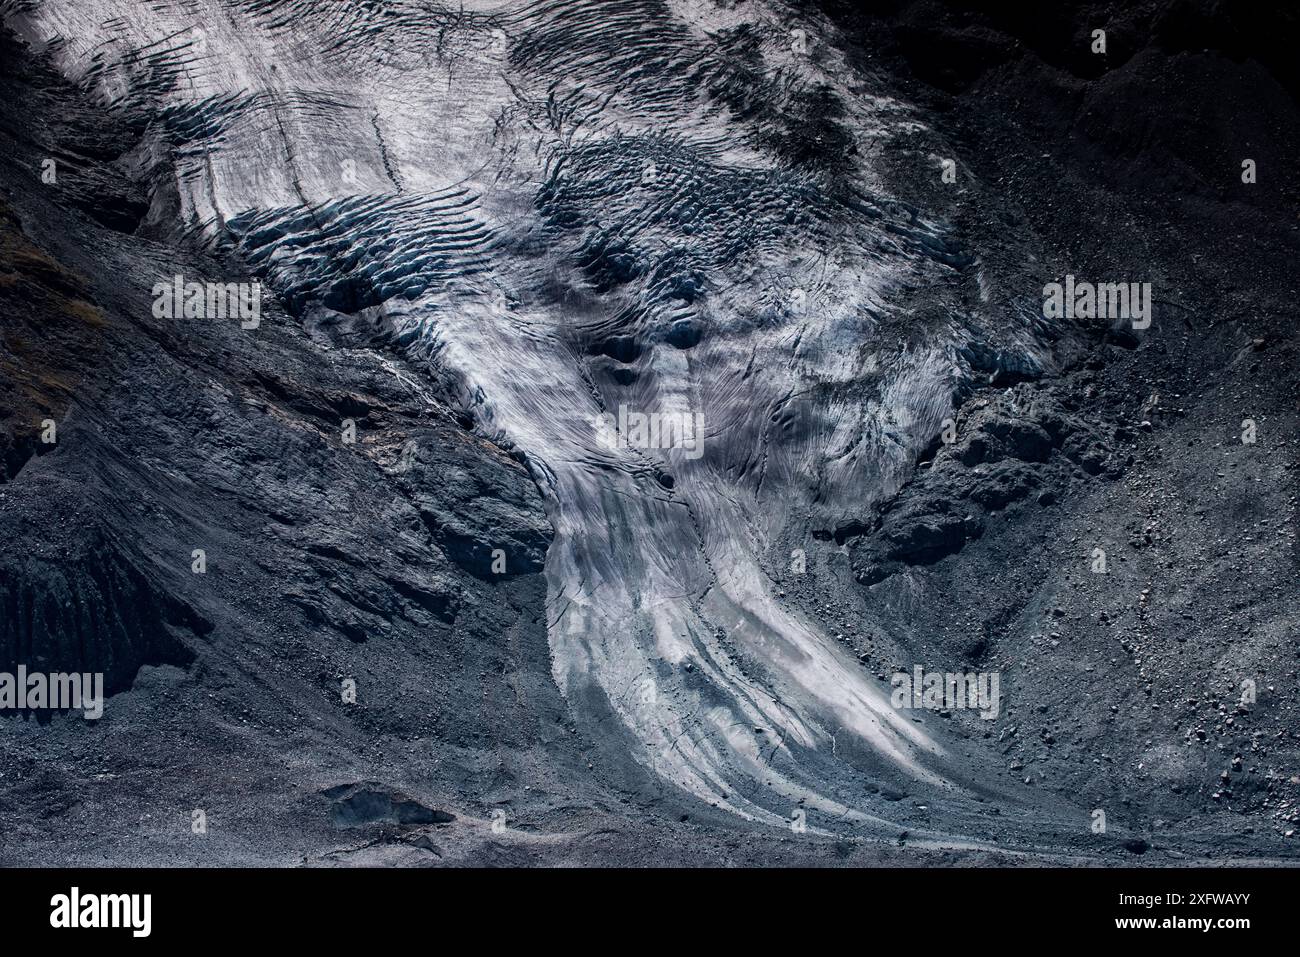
(485,525)
(95,612)
(1003,451)
(356,805)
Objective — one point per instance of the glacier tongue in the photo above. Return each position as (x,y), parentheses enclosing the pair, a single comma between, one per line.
(578,208)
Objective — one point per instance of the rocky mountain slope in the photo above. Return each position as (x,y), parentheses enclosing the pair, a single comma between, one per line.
(446,615)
